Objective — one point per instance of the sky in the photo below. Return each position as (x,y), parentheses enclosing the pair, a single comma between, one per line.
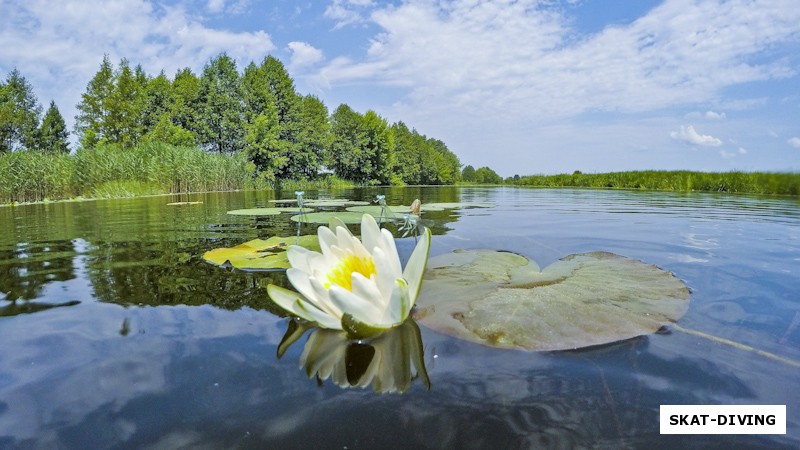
(524,87)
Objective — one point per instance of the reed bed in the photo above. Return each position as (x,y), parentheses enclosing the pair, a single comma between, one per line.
(113,171)
(772,183)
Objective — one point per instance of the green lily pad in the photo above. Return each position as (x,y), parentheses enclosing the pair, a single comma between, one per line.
(260,254)
(263,211)
(334,203)
(502,299)
(458,205)
(324,218)
(375,210)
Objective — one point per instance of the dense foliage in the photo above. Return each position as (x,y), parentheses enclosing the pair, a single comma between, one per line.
(259,114)
(676,181)
(256,115)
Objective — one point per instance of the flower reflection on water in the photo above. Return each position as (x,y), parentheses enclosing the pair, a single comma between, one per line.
(389,362)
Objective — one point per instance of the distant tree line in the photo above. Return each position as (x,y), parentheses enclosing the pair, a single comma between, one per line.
(256,113)
(21,122)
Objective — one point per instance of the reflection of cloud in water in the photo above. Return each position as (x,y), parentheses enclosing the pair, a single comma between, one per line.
(61,373)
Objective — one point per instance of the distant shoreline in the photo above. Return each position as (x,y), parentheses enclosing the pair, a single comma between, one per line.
(734,182)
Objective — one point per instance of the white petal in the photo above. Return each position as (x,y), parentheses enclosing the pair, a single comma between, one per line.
(400,303)
(385,272)
(318,316)
(327,238)
(366,288)
(302,258)
(361,309)
(295,303)
(391,251)
(415,268)
(370,233)
(336,222)
(302,282)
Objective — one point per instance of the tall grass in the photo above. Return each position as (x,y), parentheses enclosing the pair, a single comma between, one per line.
(112,171)
(32,176)
(676,181)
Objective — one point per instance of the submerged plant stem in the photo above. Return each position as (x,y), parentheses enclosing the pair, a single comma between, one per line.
(719,340)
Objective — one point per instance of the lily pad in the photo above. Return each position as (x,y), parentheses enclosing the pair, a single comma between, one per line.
(183,203)
(502,299)
(260,254)
(324,218)
(454,205)
(263,211)
(334,203)
(375,210)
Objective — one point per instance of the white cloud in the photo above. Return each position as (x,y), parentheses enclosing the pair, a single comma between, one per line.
(711,115)
(215,6)
(522,60)
(304,55)
(690,135)
(347,12)
(794,142)
(59,49)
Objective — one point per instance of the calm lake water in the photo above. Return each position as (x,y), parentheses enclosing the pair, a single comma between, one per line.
(116,334)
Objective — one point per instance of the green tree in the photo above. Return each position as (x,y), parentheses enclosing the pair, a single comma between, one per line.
(485,175)
(288,105)
(221,114)
(19,113)
(186,106)
(408,157)
(53,134)
(468,174)
(313,138)
(124,105)
(92,110)
(347,142)
(158,101)
(361,146)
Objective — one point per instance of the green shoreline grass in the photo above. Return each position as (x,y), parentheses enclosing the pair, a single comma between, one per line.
(159,169)
(150,169)
(763,183)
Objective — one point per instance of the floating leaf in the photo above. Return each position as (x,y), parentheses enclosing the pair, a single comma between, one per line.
(456,205)
(183,203)
(325,217)
(503,300)
(263,211)
(260,254)
(375,210)
(334,203)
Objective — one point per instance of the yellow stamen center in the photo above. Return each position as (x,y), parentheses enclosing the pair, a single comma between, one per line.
(342,274)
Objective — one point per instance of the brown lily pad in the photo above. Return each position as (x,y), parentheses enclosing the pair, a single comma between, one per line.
(502,299)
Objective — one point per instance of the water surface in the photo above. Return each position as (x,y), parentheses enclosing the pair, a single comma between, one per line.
(116,334)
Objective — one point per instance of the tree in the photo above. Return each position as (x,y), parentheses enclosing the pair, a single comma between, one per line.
(186,101)
(468,174)
(53,134)
(313,138)
(122,123)
(92,110)
(485,175)
(407,150)
(158,101)
(347,142)
(221,121)
(19,113)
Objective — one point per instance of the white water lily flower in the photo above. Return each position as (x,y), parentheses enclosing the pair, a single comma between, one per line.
(353,286)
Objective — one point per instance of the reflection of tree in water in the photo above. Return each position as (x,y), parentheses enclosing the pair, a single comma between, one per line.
(171,273)
(28,267)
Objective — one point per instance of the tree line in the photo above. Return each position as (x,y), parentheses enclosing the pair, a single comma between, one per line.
(256,113)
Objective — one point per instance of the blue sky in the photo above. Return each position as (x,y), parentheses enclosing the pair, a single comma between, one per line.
(522,86)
